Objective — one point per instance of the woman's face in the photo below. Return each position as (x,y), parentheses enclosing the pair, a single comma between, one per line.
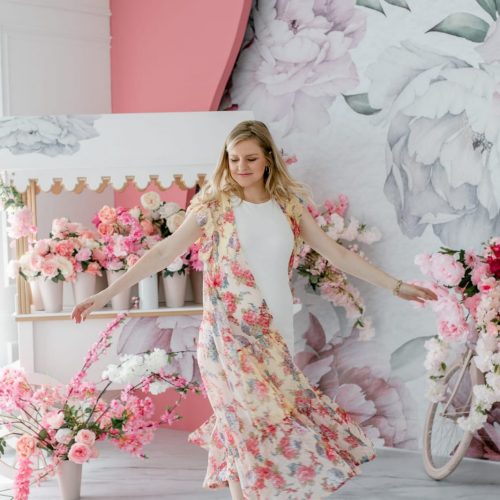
(247,163)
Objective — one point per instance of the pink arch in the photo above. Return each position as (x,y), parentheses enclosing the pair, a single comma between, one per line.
(174,55)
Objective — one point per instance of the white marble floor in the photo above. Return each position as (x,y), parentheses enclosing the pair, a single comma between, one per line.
(176,469)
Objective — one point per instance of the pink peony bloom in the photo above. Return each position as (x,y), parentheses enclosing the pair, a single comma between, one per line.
(83,254)
(107,214)
(445,269)
(85,436)
(132,260)
(479,272)
(79,453)
(49,268)
(105,229)
(26,446)
(423,260)
(54,419)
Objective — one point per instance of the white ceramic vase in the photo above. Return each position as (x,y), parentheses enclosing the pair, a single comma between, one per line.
(148,292)
(175,289)
(36,297)
(121,301)
(52,294)
(69,476)
(83,286)
(196,278)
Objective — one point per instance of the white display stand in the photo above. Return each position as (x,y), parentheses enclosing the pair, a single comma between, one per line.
(98,152)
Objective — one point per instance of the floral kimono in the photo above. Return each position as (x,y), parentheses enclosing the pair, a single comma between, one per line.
(270,428)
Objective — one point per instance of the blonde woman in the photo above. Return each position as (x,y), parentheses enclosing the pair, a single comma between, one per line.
(271,434)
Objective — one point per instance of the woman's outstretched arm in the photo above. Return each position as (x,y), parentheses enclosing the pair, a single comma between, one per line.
(352,263)
(156,259)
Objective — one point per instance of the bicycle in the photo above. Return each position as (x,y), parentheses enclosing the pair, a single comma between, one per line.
(445,443)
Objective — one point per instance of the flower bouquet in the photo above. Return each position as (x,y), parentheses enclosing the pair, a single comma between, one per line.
(83,248)
(323,277)
(468,310)
(124,241)
(167,217)
(50,425)
(49,264)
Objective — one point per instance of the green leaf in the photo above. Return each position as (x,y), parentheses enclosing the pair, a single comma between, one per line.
(489,6)
(360,104)
(399,3)
(463,25)
(371,4)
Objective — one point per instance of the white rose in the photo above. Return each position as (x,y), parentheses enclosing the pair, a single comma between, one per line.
(168,209)
(176,265)
(64,436)
(64,265)
(151,200)
(174,221)
(135,212)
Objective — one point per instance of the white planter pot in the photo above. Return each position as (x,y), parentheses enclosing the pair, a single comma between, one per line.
(69,476)
(121,301)
(148,292)
(52,294)
(83,286)
(36,297)
(197,285)
(175,289)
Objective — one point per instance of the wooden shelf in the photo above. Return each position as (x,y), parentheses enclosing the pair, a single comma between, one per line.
(190,308)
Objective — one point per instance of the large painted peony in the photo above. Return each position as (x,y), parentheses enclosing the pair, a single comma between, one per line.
(356,375)
(443,144)
(298,61)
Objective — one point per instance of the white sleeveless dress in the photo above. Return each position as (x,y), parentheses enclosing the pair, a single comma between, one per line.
(267,242)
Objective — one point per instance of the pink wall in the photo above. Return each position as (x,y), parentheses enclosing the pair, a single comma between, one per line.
(173,55)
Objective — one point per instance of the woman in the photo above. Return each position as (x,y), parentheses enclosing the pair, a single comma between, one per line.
(272,435)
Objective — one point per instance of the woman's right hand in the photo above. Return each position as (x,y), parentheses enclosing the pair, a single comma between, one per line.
(83,309)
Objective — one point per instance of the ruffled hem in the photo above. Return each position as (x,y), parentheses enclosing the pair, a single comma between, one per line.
(307,461)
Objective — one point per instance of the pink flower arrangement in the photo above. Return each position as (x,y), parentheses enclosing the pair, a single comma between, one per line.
(167,217)
(468,308)
(45,259)
(125,236)
(66,422)
(80,245)
(323,277)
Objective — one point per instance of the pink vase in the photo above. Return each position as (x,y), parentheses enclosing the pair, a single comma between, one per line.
(175,289)
(52,294)
(69,476)
(83,286)
(36,297)
(196,278)
(120,301)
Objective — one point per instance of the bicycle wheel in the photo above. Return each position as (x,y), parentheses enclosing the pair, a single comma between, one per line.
(445,442)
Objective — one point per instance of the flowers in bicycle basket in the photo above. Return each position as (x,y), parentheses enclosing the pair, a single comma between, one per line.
(468,310)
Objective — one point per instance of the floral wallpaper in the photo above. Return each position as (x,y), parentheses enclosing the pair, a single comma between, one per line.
(395,103)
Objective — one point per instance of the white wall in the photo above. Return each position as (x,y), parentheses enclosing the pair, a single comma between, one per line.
(54,59)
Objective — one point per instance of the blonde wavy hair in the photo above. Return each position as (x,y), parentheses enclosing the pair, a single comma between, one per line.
(277,181)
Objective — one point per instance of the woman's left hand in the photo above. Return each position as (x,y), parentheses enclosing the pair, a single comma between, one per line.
(415,293)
